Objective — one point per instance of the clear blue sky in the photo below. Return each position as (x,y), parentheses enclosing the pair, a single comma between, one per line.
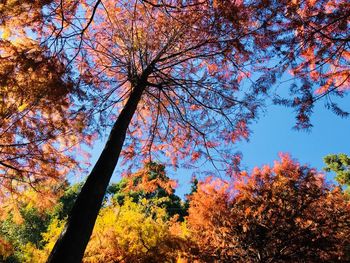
(273,133)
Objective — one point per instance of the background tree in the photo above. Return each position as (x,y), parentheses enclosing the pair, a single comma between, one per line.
(132,232)
(150,183)
(284,213)
(23,223)
(136,224)
(340,164)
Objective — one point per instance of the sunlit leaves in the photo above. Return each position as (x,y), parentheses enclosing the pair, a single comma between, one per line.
(127,234)
(340,164)
(151,183)
(5,249)
(281,213)
(184,55)
(307,39)
(38,123)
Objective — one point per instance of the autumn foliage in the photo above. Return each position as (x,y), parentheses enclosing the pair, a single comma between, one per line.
(178,81)
(39,126)
(139,227)
(284,213)
(306,44)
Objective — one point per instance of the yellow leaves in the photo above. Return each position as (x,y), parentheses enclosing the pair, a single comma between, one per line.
(31,253)
(22,107)
(179,229)
(5,248)
(5,33)
(9,206)
(126,233)
(42,198)
(53,231)
(17,217)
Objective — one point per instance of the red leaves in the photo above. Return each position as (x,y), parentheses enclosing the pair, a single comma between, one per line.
(285,212)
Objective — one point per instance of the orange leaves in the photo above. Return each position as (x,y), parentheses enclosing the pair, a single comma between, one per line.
(16,14)
(272,213)
(212,68)
(311,2)
(211,144)
(37,126)
(321,38)
(151,178)
(43,196)
(5,249)
(335,74)
(309,39)
(309,56)
(195,156)
(185,58)
(241,131)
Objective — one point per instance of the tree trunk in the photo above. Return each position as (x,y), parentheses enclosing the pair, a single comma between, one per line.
(75,236)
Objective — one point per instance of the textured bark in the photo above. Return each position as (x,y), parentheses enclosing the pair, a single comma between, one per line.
(73,240)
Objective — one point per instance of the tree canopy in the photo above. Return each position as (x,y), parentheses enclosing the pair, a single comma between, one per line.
(340,164)
(284,213)
(281,213)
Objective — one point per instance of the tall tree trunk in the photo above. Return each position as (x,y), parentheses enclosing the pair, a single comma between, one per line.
(73,240)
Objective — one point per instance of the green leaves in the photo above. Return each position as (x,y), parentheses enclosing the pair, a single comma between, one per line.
(340,164)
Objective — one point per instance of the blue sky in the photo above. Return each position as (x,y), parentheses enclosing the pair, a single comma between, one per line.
(273,133)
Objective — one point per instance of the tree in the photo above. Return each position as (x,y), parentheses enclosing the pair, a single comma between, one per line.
(340,164)
(284,213)
(175,65)
(132,232)
(309,40)
(39,126)
(23,223)
(164,63)
(144,203)
(150,183)
(136,223)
